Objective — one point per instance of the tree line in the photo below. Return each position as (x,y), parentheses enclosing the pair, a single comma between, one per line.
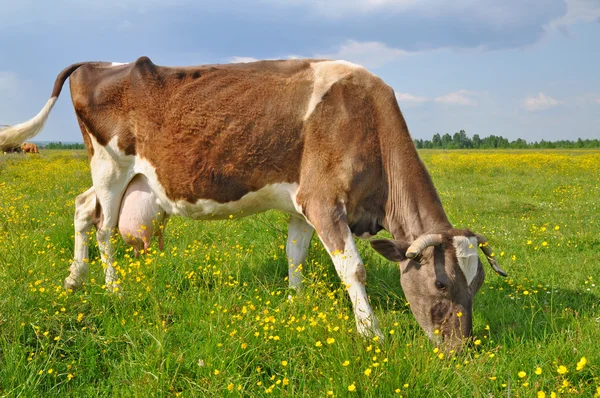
(460,140)
(60,145)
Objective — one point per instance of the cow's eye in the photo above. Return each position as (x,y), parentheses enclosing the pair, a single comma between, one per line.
(439,285)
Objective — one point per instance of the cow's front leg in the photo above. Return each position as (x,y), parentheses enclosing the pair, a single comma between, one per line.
(332,227)
(85,207)
(298,241)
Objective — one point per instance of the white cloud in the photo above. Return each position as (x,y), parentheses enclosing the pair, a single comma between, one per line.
(370,54)
(236,59)
(577,11)
(460,97)
(539,103)
(410,99)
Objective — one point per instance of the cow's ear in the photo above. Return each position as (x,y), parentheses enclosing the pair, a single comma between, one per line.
(393,250)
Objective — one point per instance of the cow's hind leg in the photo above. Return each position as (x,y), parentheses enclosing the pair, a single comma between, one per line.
(85,208)
(110,202)
(109,191)
(299,234)
(331,223)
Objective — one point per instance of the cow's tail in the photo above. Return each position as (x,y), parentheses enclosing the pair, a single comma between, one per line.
(13,136)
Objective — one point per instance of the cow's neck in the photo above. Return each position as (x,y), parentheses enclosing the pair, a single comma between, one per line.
(413,206)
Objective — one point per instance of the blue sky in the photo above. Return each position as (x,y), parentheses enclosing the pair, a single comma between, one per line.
(516,68)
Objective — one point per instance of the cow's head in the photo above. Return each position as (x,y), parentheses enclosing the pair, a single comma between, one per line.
(440,274)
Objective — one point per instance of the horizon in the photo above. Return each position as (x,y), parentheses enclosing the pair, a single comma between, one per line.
(521,69)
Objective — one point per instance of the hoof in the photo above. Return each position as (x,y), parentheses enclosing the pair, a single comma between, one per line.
(369,331)
(72,284)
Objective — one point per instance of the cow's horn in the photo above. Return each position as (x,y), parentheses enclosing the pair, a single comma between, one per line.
(489,254)
(423,242)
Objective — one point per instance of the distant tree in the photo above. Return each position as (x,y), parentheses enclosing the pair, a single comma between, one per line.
(436,141)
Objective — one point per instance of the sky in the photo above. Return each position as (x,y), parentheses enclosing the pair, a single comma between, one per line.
(516,68)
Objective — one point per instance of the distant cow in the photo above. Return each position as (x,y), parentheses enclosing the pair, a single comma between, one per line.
(11,150)
(28,147)
(324,141)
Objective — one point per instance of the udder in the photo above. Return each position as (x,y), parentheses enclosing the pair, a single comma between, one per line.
(140,216)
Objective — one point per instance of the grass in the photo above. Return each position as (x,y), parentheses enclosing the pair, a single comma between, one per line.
(209,316)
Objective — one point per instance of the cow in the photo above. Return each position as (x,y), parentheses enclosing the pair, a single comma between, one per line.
(322,140)
(28,147)
(11,150)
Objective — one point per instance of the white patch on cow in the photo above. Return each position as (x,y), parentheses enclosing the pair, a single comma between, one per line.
(280,196)
(350,269)
(118,63)
(466,254)
(299,234)
(326,74)
(111,172)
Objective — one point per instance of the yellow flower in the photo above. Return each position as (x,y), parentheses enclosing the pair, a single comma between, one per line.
(541,394)
(318,343)
(284,363)
(477,342)
(459,314)
(538,371)
(286,381)
(330,340)
(562,369)
(352,387)
(581,363)
(70,376)
(230,387)
(521,374)
(368,372)
(346,363)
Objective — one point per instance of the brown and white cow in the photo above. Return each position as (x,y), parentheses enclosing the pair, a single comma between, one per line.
(28,147)
(324,141)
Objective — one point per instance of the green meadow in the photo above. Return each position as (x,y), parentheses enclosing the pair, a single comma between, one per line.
(210,315)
